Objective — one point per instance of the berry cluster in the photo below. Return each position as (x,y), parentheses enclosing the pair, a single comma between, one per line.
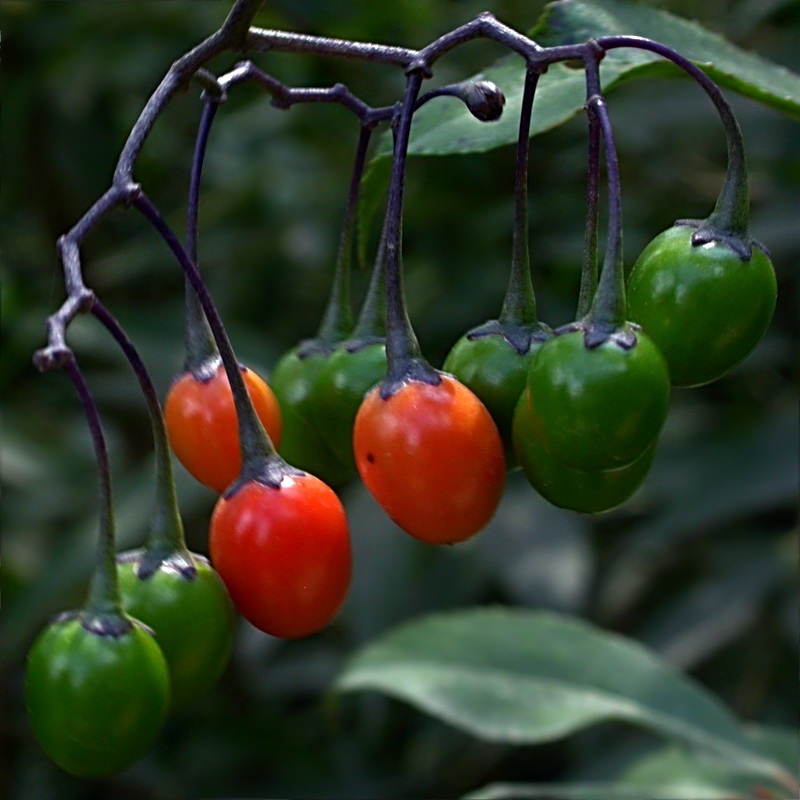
(579,409)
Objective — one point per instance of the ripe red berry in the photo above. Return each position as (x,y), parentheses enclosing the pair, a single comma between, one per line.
(432,457)
(203,429)
(283,553)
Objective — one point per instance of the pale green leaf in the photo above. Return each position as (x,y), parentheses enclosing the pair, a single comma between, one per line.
(669,773)
(523,677)
(446,127)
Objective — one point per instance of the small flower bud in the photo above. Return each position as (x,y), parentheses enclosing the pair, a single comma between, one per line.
(484,99)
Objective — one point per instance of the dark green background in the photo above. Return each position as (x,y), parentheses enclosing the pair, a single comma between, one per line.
(700,565)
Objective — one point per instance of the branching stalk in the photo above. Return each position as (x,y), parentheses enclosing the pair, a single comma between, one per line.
(236,35)
(232,36)
(728,221)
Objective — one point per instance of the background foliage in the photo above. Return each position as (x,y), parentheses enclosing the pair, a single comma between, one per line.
(700,565)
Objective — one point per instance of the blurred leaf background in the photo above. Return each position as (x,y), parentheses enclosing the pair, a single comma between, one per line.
(700,565)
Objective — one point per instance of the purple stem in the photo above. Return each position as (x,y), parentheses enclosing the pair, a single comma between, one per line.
(733,205)
(253,439)
(403,355)
(104,597)
(608,308)
(519,304)
(588,285)
(166,528)
(202,356)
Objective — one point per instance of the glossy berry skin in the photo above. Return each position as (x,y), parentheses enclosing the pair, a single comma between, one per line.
(496,372)
(191,615)
(597,408)
(704,307)
(339,389)
(284,554)
(303,445)
(566,487)
(96,702)
(432,458)
(203,429)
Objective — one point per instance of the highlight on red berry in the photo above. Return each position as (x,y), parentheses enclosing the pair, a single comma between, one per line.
(283,553)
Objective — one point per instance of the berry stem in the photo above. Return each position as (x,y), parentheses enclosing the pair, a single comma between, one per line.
(371,323)
(485,101)
(103,600)
(202,356)
(165,533)
(403,354)
(254,441)
(337,321)
(588,285)
(607,312)
(732,210)
(519,304)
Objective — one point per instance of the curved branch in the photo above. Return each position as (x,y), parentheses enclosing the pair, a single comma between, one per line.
(231,36)
(733,206)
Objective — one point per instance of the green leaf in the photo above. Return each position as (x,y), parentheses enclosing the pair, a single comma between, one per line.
(780,743)
(563,791)
(523,677)
(572,21)
(446,127)
(669,773)
(678,772)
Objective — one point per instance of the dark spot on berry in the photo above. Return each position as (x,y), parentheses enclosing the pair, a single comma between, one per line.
(370,458)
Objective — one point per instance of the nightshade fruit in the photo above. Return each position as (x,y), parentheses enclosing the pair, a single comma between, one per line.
(703,305)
